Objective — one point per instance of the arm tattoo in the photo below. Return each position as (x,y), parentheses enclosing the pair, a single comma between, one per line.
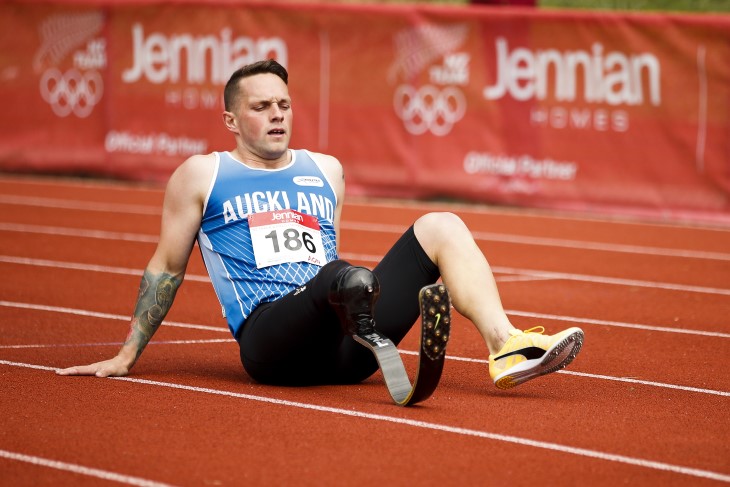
(156,293)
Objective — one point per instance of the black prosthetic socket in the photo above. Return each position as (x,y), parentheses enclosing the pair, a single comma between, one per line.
(352,295)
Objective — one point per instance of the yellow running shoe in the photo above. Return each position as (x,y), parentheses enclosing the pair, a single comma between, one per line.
(530,354)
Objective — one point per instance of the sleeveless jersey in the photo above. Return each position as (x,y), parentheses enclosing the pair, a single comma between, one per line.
(224,237)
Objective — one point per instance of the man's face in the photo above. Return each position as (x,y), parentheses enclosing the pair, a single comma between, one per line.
(263,115)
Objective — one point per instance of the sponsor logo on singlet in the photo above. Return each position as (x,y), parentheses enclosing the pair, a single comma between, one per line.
(308,181)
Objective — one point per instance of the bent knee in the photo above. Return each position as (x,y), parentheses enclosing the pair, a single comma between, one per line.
(433,230)
(440,223)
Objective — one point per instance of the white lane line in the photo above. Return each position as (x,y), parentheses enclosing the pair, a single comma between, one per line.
(79,205)
(80,469)
(549,275)
(398,229)
(525,274)
(77,232)
(527,314)
(601,246)
(56,182)
(631,380)
(107,316)
(554,242)
(584,452)
(524,278)
(619,324)
(109,344)
(612,280)
(404,352)
(682,222)
(598,376)
(391,203)
(9,259)
(543,276)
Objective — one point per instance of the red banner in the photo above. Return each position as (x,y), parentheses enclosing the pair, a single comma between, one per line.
(627,113)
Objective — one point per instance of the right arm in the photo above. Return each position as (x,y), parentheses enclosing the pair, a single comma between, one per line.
(181,215)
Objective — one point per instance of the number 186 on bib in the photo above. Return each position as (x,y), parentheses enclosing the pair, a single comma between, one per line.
(285,236)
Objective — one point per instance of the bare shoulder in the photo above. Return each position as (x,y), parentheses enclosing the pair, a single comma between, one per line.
(194,175)
(326,161)
(198,165)
(331,166)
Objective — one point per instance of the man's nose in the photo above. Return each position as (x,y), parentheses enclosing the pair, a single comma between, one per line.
(276,112)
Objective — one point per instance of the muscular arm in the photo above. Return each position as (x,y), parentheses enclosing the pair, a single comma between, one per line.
(181,215)
(156,294)
(333,169)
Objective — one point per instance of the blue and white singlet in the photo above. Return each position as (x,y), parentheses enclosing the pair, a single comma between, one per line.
(224,237)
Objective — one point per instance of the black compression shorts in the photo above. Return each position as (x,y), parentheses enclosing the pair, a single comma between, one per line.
(297,339)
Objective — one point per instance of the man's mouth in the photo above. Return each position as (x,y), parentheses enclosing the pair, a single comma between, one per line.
(277,132)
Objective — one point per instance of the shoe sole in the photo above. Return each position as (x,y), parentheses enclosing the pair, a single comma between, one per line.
(557,357)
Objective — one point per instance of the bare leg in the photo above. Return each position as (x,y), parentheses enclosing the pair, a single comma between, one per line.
(466,273)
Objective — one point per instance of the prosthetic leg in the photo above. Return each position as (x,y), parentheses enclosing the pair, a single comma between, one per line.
(353,295)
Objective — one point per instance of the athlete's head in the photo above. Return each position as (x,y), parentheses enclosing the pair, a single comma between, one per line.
(232,89)
(258,111)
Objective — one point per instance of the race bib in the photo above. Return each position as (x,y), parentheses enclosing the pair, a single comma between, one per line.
(285,236)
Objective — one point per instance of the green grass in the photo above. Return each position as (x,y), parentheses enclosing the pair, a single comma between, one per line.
(698,6)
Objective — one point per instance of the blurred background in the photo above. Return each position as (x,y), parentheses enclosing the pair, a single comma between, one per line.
(607,107)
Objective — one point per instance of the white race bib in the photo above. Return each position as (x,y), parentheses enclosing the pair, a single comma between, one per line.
(285,236)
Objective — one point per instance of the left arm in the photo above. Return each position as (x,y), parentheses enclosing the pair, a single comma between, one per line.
(336,175)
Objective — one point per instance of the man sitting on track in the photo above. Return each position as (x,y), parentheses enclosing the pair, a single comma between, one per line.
(289,301)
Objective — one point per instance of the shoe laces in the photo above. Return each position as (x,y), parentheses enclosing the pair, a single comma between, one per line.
(516,333)
(539,330)
(535,329)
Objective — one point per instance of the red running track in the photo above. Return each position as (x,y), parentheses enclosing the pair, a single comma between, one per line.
(645,403)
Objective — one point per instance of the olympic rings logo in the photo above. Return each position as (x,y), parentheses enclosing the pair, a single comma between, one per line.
(429,109)
(72,91)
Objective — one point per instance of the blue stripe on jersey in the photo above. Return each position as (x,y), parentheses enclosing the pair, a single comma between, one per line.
(224,237)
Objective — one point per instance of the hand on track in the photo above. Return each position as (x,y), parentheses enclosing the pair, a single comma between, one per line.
(112,367)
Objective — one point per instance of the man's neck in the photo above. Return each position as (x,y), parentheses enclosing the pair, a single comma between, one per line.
(257,162)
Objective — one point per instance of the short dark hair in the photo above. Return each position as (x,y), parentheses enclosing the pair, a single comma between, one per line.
(230,93)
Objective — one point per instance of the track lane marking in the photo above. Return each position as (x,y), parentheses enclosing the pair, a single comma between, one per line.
(584,452)
(108,316)
(403,352)
(612,280)
(473,208)
(91,206)
(117,344)
(618,324)
(572,319)
(399,229)
(683,222)
(619,222)
(515,274)
(78,232)
(553,242)
(630,380)
(81,469)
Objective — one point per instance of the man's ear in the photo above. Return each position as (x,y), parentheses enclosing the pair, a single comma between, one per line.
(230,122)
